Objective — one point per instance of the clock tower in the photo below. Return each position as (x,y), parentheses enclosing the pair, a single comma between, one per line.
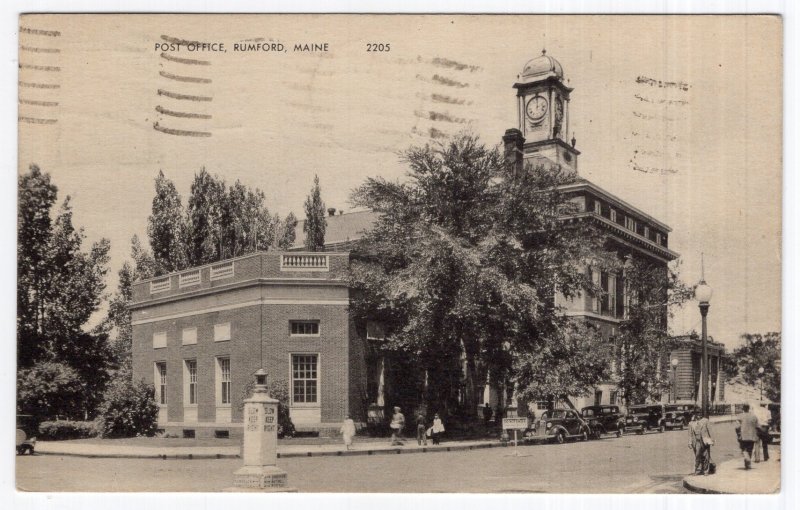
(543,112)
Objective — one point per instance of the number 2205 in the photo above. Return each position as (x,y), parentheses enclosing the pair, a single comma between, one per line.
(378,47)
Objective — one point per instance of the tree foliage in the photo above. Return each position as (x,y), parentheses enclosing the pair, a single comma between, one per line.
(315,224)
(759,351)
(60,285)
(462,265)
(129,409)
(50,389)
(166,227)
(655,293)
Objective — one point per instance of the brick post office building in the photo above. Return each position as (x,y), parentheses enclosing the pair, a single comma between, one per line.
(200,335)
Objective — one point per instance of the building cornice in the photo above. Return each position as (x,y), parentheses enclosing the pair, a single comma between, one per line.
(255,282)
(587,185)
(632,238)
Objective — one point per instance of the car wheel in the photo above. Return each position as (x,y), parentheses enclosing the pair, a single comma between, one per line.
(560,438)
(681,425)
(585,436)
(640,432)
(619,432)
(662,428)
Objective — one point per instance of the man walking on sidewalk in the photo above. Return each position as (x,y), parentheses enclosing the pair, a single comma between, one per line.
(748,433)
(700,441)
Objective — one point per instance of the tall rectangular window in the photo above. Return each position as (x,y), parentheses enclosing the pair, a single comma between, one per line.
(161,382)
(224,378)
(304,378)
(598,206)
(604,285)
(190,378)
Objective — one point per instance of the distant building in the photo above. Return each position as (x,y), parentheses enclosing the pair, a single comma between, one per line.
(685,377)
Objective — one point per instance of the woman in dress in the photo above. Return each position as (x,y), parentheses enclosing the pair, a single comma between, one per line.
(348,431)
(437,429)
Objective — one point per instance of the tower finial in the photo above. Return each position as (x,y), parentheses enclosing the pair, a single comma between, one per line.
(544,51)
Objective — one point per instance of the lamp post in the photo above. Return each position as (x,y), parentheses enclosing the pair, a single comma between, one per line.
(703,295)
(674,364)
(761,381)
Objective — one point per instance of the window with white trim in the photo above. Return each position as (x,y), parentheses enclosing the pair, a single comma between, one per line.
(189,336)
(161,382)
(647,232)
(304,328)
(304,379)
(159,339)
(598,207)
(223,381)
(613,215)
(190,382)
(630,224)
(222,332)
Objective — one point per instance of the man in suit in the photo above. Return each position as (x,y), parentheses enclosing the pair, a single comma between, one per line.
(748,434)
(700,441)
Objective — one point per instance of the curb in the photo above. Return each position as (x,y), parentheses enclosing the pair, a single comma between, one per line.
(336,453)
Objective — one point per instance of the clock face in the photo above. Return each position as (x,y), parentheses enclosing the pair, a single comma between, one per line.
(536,108)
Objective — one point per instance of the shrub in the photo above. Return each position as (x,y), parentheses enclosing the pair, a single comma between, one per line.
(50,389)
(65,429)
(129,409)
(279,390)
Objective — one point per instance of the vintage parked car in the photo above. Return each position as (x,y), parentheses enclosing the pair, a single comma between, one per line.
(603,419)
(26,434)
(558,425)
(676,416)
(643,418)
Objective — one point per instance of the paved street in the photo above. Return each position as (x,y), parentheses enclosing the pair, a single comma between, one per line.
(653,463)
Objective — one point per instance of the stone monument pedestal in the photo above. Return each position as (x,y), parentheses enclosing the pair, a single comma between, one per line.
(260,443)
(260,478)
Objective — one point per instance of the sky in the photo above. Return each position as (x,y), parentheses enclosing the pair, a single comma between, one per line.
(679,116)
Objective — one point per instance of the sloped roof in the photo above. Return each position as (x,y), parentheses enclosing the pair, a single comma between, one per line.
(341,228)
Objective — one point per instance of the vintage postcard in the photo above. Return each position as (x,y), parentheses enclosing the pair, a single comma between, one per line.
(399,253)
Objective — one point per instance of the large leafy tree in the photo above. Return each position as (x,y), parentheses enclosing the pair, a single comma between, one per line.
(461,268)
(656,291)
(118,320)
(759,351)
(315,224)
(60,286)
(204,212)
(166,227)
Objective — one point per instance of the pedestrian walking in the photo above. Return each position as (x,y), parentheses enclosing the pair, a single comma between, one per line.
(437,429)
(700,442)
(397,424)
(747,433)
(348,430)
(422,438)
(761,450)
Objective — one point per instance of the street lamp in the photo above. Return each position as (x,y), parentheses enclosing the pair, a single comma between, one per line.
(703,295)
(761,380)
(674,363)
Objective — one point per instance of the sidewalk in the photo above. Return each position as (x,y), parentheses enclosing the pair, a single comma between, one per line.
(732,478)
(367,447)
(227,452)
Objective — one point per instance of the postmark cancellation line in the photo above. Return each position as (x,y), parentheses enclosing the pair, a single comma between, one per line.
(186,115)
(185,97)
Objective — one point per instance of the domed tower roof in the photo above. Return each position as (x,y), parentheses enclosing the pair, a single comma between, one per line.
(542,67)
